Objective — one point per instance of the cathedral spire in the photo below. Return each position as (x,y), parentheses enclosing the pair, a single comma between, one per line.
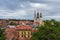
(40,15)
(37,14)
(34,14)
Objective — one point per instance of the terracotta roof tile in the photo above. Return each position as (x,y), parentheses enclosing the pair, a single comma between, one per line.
(24,27)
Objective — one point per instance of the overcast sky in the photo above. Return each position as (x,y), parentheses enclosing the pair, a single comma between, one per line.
(24,9)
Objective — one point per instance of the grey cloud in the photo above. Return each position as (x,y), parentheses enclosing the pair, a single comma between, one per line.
(24,8)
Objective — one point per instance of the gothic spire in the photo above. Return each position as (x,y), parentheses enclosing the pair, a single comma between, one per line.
(40,15)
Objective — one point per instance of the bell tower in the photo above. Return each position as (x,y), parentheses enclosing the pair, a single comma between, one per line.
(40,19)
(35,16)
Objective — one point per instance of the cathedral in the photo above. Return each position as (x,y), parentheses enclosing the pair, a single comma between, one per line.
(38,18)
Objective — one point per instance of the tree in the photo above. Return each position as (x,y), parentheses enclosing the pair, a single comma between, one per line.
(48,32)
(2,36)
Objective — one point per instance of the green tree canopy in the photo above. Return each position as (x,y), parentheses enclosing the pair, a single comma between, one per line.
(50,31)
(2,36)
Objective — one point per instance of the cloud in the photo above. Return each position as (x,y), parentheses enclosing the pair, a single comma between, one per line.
(25,10)
(53,0)
(39,6)
(12,14)
(53,17)
(20,9)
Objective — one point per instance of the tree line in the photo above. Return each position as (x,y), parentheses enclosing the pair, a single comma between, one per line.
(50,31)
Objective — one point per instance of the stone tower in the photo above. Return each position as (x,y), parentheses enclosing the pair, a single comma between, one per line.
(35,16)
(40,19)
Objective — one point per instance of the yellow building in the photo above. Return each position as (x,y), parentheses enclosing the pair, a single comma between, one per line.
(25,32)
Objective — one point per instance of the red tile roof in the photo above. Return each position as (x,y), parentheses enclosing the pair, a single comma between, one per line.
(10,29)
(7,30)
(24,27)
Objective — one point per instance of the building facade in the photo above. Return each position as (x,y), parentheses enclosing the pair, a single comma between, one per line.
(25,32)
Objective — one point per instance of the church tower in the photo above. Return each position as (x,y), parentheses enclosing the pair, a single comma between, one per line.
(40,19)
(35,16)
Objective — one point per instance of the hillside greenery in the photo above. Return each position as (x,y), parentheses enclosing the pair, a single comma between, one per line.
(50,31)
(2,36)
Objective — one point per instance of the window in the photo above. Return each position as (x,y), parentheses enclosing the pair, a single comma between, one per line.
(28,36)
(22,35)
